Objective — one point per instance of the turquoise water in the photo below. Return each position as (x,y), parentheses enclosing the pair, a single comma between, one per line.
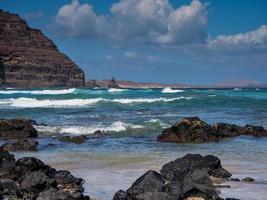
(131,120)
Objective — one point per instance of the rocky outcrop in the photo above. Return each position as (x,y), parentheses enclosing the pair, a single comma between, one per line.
(91,84)
(29,59)
(74,139)
(112,83)
(183,178)
(193,129)
(21,145)
(17,128)
(30,178)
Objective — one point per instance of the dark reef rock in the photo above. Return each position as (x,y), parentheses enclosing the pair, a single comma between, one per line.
(30,178)
(180,167)
(248,180)
(29,59)
(16,129)
(21,145)
(183,178)
(74,139)
(193,129)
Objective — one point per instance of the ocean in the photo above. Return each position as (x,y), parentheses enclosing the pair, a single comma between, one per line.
(131,119)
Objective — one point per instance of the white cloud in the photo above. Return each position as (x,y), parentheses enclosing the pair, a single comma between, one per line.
(139,20)
(130,54)
(255,38)
(79,20)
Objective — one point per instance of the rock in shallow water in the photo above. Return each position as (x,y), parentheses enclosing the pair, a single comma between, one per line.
(193,129)
(183,178)
(29,178)
(21,145)
(17,129)
(74,139)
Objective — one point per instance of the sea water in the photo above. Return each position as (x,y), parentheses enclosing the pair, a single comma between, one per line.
(131,120)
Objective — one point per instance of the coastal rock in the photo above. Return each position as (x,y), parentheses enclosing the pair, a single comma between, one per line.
(185,178)
(17,129)
(193,129)
(248,180)
(74,139)
(30,178)
(21,145)
(180,167)
(91,84)
(30,59)
(112,83)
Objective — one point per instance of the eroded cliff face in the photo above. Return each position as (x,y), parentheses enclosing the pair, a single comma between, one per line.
(29,59)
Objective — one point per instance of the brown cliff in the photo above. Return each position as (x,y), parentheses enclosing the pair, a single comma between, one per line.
(29,59)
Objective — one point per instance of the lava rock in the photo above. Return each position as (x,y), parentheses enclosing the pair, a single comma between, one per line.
(17,129)
(29,178)
(74,139)
(248,180)
(178,169)
(183,178)
(193,129)
(21,145)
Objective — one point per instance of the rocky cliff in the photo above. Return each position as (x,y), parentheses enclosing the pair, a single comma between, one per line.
(29,59)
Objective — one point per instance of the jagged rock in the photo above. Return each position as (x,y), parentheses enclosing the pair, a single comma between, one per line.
(193,129)
(185,178)
(29,178)
(248,180)
(112,83)
(74,139)
(17,128)
(21,145)
(178,169)
(7,162)
(257,131)
(30,59)
(198,183)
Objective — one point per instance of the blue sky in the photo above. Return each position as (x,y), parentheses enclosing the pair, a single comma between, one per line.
(175,41)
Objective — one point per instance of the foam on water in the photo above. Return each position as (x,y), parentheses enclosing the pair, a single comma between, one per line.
(170,90)
(51,103)
(114,90)
(117,126)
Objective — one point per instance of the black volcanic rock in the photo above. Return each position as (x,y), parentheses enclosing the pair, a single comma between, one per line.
(21,145)
(30,59)
(193,129)
(29,178)
(183,178)
(17,129)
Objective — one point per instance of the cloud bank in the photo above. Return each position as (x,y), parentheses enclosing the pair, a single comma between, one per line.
(154,21)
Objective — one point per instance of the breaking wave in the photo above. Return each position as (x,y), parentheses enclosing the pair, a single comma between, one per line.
(170,90)
(38,92)
(117,126)
(113,90)
(51,103)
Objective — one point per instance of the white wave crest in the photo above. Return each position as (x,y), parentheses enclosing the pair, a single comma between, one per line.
(52,103)
(113,90)
(117,126)
(170,90)
(38,92)
(47,103)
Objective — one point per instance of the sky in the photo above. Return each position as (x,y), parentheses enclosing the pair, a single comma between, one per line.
(167,41)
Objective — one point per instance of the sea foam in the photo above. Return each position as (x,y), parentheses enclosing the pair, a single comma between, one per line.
(117,126)
(38,92)
(62,103)
(114,90)
(170,90)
